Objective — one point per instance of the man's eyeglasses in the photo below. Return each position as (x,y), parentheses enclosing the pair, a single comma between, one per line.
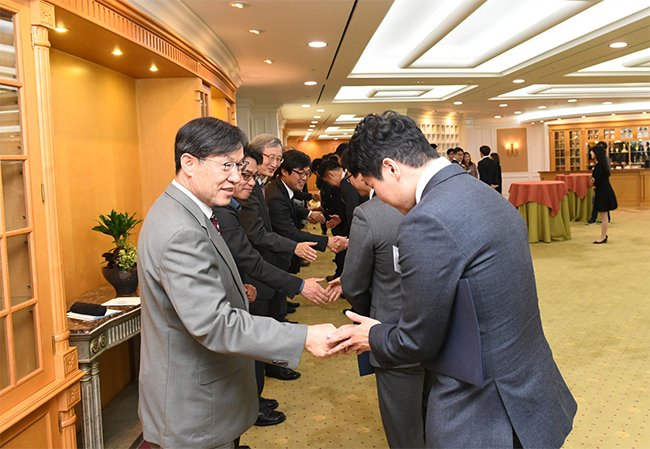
(303,174)
(229,166)
(246,176)
(278,159)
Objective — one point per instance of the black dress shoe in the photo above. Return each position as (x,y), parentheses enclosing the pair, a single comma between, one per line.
(330,278)
(269,418)
(304,263)
(604,241)
(270,404)
(291,309)
(295,305)
(282,373)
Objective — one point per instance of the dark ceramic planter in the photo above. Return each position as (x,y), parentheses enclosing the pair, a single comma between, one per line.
(125,283)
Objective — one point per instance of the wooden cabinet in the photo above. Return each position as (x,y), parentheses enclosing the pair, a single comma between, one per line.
(627,142)
(445,136)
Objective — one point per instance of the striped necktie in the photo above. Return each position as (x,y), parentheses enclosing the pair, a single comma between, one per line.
(214,221)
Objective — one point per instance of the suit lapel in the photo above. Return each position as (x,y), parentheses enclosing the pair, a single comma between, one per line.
(292,207)
(217,240)
(264,209)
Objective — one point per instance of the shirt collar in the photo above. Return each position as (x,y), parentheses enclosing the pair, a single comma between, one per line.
(434,167)
(371,194)
(485,157)
(204,207)
(288,190)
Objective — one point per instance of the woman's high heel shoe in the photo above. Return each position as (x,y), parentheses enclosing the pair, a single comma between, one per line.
(604,241)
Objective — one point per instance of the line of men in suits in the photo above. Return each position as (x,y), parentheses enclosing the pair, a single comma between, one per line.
(408,249)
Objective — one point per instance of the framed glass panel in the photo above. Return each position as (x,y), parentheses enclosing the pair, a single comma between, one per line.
(25,347)
(13,189)
(10,130)
(7,46)
(5,379)
(20,272)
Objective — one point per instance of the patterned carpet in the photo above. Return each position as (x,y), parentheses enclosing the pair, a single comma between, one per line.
(594,301)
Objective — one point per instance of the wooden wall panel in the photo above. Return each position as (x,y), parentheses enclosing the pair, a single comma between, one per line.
(164,105)
(97,161)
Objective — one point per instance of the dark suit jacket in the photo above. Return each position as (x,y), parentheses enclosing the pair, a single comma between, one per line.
(285,217)
(250,263)
(488,171)
(463,229)
(256,221)
(198,340)
(351,199)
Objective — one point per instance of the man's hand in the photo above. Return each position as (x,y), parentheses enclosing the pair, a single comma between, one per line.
(251,292)
(313,291)
(337,244)
(333,222)
(315,196)
(334,289)
(305,251)
(316,343)
(352,338)
(316,217)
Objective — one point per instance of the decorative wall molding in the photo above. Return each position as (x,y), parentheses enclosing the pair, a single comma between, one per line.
(125,20)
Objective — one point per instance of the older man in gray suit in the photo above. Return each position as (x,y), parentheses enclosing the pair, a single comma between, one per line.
(456,227)
(197,382)
(371,283)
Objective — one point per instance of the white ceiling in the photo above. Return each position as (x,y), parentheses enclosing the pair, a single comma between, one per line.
(428,54)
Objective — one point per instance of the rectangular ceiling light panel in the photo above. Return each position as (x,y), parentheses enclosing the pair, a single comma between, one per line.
(382,93)
(483,37)
(578,90)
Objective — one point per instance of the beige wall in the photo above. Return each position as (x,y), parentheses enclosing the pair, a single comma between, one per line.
(517,161)
(164,105)
(97,162)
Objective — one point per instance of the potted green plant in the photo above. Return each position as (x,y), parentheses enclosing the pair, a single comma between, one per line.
(121,261)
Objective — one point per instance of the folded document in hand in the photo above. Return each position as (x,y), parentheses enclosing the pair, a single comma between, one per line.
(460,356)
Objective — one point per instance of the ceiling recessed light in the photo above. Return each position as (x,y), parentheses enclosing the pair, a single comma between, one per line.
(317,116)
(613,114)
(503,105)
(607,102)
(61,29)
(255,31)
(317,44)
(458,102)
(517,112)
(117,52)
(497,116)
(541,121)
(239,5)
(541,107)
(644,112)
(312,126)
(153,68)
(336,138)
(559,119)
(519,81)
(532,123)
(306,106)
(573,100)
(314,121)
(320,110)
(584,116)
(345,134)
(268,61)
(618,44)
(310,83)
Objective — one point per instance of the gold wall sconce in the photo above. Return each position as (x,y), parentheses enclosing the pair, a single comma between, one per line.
(512,148)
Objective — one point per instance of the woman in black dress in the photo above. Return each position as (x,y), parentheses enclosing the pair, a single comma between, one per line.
(605,199)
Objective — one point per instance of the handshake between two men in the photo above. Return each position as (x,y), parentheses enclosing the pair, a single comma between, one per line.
(325,340)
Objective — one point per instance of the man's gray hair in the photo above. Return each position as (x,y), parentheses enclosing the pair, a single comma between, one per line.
(266,140)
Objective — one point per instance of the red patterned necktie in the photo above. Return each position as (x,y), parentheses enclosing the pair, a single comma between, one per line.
(213,219)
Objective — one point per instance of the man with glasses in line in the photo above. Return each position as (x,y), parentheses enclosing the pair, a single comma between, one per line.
(275,249)
(253,267)
(197,380)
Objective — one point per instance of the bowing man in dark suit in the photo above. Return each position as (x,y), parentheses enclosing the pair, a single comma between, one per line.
(285,214)
(453,229)
(252,266)
(488,168)
(197,381)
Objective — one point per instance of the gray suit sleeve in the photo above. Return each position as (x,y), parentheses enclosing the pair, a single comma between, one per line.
(359,264)
(199,284)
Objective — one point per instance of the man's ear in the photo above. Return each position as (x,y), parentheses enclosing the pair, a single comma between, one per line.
(188,163)
(391,168)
